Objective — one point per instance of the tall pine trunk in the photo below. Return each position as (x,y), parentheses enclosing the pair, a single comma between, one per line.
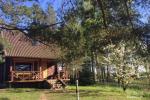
(93,66)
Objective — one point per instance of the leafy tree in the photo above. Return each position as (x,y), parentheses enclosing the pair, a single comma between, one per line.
(87,26)
(30,20)
(99,23)
(19,15)
(3,45)
(126,61)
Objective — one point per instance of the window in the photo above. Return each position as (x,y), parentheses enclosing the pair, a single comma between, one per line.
(23,67)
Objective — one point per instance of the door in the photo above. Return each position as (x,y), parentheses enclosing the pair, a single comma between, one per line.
(44,68)
(51,69)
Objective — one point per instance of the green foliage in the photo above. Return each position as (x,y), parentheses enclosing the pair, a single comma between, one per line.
(4,44)
(86,75)
(17,13)
(89,28)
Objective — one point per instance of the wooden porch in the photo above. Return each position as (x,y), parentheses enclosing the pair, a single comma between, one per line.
(37,76)
(29,70)
(26,76)
(57,83)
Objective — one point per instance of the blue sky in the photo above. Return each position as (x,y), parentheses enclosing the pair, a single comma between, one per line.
(145,13)
(55,3)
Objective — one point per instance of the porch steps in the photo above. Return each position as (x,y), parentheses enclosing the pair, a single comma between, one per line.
(62,82)
(56,84)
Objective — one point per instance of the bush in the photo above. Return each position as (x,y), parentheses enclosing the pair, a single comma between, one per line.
(86,76)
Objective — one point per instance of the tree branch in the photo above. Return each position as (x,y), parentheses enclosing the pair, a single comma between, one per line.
(100,4)
(11,28)
(128,13)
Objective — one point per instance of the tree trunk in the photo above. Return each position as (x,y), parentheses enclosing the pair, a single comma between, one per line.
(124,86)
(108,75)
(93,67)
(102,74)
(101,6)
(99,68)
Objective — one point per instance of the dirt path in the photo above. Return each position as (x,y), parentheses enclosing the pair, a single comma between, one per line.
(43,97)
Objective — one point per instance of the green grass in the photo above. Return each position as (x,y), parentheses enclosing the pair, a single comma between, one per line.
(19,94)
(101,92)
(111,93)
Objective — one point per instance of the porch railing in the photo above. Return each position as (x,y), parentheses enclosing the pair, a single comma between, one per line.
(25,75)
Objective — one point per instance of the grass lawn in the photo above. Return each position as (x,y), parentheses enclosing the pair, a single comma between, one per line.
(86,93)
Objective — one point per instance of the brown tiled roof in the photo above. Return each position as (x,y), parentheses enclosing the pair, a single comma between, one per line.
(21,46)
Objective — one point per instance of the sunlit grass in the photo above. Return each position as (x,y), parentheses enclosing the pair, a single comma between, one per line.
(19,94)
(101,92)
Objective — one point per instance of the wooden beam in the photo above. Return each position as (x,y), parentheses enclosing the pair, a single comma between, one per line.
(41,73)
(25,81)
(11,73)
(24,59)
(32,69)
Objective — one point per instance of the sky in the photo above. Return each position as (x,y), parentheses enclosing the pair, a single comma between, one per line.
(43,3)
(55,3)
(144,14)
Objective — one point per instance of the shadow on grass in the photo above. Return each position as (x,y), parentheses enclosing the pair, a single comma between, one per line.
(103,92)
(147,95)
(21,90)
(4,98)
(85,93)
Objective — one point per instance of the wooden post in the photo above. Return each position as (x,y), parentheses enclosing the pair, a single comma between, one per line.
(58,72)
(11,73)
(41,73)
(10,85)
(77,89)
(77,86)
(40,68)
(4,72)
(33,66)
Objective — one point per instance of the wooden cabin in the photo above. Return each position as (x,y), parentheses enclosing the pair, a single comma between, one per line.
(27,60)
